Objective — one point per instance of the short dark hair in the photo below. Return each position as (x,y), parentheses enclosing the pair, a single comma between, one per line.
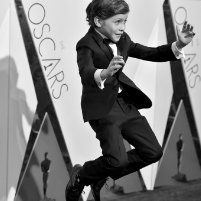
(105,9)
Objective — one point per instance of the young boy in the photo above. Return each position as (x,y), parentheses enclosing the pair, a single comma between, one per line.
(110,100)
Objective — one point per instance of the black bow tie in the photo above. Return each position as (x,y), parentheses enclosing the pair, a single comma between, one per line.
(107,41)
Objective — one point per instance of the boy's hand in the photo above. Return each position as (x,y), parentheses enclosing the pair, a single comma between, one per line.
(185,36)
(115,64)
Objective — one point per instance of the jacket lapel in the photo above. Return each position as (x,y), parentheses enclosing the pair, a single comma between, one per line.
(102,45)
(120,46)
(122,52)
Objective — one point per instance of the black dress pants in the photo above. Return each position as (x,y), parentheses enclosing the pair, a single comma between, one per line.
(123,121)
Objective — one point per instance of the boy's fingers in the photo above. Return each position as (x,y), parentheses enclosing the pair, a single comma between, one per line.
(117,66)
(117,57)
(189,35)
(119,61)
(184,26)
(185,23)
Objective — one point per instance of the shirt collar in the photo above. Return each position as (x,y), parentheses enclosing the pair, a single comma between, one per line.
(103,36)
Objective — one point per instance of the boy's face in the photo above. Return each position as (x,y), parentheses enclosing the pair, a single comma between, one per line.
(114,26)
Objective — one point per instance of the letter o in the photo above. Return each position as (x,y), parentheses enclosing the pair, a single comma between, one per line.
(36,21)
(180,11)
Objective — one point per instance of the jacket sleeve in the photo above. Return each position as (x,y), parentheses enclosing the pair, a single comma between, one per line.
(157,54)
(85,65)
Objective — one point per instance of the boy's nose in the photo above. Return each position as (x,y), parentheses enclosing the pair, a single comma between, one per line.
(122,27)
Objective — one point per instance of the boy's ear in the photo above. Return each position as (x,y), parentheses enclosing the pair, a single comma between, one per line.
(97,21)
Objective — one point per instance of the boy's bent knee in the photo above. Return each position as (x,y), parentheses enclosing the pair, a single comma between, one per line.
(156,156)
(118,163)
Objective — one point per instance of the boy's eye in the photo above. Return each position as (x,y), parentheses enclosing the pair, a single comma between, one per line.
(117,22)
(120,21)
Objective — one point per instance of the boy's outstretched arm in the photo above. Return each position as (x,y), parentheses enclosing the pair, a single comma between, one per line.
(164,52)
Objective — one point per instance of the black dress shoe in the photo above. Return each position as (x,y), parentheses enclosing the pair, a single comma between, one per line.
(75,186)
(96,188)
(117,189)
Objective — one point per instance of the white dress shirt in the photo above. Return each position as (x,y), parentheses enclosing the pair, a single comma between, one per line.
(179,53)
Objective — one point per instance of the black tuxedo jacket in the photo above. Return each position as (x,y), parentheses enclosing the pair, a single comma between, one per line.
(93,54)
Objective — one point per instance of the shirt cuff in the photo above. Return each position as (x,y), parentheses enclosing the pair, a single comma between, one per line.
(179,53)
(98,79)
